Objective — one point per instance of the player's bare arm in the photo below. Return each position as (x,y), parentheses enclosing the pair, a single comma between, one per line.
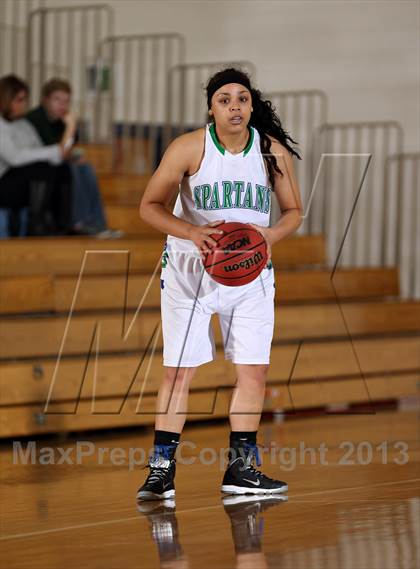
(182,158)
(287,192)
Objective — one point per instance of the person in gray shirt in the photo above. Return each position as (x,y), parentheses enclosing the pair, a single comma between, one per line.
(32,175)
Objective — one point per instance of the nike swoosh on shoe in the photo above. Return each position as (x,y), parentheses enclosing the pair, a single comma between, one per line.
(254,482)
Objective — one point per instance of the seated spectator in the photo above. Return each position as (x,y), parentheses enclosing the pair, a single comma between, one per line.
(32,176)
(48,120)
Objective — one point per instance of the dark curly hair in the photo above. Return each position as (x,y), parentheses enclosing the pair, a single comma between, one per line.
(263,116)
(10,86)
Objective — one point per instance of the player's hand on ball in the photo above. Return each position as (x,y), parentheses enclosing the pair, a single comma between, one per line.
(201,236)
(266,233)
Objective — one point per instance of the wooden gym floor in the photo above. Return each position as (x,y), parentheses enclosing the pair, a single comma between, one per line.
(353,499)
(355,505)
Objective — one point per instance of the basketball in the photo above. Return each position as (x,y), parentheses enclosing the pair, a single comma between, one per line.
(239,256)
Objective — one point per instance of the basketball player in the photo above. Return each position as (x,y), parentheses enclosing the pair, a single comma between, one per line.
(226,171)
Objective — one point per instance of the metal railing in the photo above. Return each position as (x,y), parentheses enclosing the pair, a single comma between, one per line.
(301,113)
(63,42)
(401,241)
(13,23)
(133,112)
(349,176)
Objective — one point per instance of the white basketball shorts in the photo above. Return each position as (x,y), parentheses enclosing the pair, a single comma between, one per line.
(189,297)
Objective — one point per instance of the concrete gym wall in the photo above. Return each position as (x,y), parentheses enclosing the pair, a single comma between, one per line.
(363,54)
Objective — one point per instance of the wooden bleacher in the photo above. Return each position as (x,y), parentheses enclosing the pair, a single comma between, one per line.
(362,349)
(53,293)
(127,155)
(40,256)
(126,218)
(122,189)
(99,155)
(41,336)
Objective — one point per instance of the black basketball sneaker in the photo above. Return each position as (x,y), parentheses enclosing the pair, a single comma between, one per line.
(159,484)
(243,503)
(242,478)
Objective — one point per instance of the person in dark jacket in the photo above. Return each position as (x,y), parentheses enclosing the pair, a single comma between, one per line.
(47,118)
(32,176)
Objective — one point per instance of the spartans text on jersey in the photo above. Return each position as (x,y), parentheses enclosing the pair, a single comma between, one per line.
(232,195)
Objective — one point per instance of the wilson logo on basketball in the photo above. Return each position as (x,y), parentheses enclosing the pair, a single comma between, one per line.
(237,244)
(250,262)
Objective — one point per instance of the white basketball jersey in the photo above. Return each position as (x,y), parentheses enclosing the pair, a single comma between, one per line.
(233,187)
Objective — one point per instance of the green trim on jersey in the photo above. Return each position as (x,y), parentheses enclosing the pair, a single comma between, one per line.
(222,149)
(251,140)
(213,135)
(165,255)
